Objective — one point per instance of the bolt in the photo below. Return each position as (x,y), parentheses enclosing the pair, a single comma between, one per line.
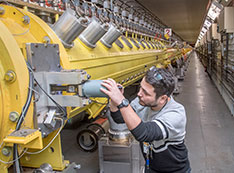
(26,19)
(66,165)
(77,166)
(14,116)
(2,10)
(10,76)
(88,76)
(6,151)
(46,39)
(23,133)
(44,134)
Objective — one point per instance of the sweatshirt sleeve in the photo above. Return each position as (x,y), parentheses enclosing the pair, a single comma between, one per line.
(117,117)
(150,131)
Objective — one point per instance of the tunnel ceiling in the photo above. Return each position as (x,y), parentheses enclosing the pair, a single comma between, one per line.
(185,17)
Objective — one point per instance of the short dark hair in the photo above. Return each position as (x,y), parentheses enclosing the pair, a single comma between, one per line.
(162,80)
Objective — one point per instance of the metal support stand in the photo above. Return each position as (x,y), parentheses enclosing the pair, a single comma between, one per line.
(120,157)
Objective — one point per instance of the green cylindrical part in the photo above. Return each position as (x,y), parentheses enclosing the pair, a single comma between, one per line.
(91,88)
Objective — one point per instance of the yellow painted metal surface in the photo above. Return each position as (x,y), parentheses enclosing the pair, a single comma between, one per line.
(13,36)
(52,155)
(12,94)
(33,140)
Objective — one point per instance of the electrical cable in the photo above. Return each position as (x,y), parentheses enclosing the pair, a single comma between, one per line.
(57,104)
(12,161)
(20,121)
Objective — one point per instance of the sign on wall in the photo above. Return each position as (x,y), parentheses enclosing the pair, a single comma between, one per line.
(167,33)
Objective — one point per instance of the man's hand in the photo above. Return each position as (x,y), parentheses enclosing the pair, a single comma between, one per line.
(113,91)
(130,117)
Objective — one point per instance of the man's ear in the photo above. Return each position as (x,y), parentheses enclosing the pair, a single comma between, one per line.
(162,99)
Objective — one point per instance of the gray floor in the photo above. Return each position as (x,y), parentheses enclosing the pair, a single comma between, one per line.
(210,127)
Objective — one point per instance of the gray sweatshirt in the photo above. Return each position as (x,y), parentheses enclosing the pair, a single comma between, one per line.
(164,131)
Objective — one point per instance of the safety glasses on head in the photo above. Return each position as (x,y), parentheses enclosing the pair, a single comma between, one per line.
(157,75)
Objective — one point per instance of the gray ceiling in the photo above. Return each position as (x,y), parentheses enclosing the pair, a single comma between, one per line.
(185,17)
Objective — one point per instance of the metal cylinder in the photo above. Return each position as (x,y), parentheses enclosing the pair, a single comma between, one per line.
(111,36)
(68,27)
(88,138)
(91,88)
(118,132)
(93,33)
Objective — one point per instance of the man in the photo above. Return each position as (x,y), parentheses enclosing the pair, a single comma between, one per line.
(155,119)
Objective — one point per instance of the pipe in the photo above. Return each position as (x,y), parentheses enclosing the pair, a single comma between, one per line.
(88,138)
(118,132)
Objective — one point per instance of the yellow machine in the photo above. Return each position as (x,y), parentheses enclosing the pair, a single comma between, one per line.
(43,70)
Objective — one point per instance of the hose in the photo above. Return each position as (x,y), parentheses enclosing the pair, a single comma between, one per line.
(16,166)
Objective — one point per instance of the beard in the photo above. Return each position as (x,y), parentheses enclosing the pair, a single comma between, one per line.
(152,104)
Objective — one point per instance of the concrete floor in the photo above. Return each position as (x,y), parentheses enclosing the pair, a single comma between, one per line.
(210,127)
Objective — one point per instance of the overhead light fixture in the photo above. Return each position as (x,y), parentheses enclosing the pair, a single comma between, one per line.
(207,23)
(204,29)
(214,10)
(202,33)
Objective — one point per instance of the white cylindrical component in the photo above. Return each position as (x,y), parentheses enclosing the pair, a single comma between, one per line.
(91,88)
(68,27)
(93,33)
(111,36)
(106,4)
(116,9)
(136,19)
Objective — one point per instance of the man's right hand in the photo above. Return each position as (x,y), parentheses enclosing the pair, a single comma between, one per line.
(112,90)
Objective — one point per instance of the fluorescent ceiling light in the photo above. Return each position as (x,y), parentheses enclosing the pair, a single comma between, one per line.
(204,29)
(214,11)
(207,23)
